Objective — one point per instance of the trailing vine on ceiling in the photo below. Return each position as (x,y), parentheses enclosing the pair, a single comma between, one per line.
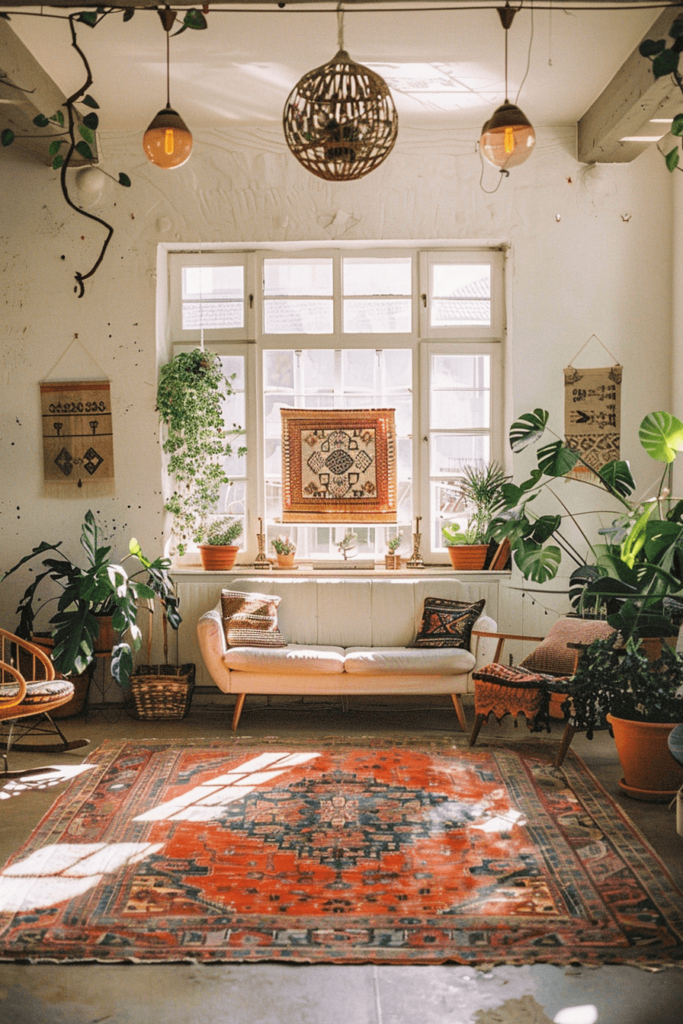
(77,132)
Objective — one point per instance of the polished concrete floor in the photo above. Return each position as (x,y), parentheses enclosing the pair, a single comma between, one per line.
(365,994)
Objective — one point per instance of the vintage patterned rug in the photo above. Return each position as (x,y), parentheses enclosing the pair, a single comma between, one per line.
(385,851)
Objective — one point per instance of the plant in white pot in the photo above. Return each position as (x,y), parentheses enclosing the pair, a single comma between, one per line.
(217,548)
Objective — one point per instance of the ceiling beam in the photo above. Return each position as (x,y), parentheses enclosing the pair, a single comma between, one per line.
(332,4)
(27,90)
(627,105)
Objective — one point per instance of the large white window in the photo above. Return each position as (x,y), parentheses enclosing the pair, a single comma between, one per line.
(333,327)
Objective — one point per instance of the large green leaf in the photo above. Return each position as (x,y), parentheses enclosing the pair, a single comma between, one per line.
(665,63)
(617,476)
(672,159)
(528,429)
(659,536)
(636,538)
(537,563)
(677,125)
(580,579)
(555,459)
(27,558)
(544,527)
(651,47)
(661,435)
(122,664)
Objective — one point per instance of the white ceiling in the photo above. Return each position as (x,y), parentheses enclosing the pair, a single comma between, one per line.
(443,67)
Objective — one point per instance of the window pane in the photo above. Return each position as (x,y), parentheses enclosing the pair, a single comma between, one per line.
(358,369)
(368,276)
(234,365)
(278,370)
(298,316)
(450,371)
(450,453)
(271,407)
(234,412)
(460,313)
(461,281)
(273,457)
(317,367)
(212,316)
(398,366)
(202,283)
(460,410)
(377,316)
(297,277)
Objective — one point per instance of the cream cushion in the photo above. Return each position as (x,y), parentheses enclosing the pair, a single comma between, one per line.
(294,659)
(411,661)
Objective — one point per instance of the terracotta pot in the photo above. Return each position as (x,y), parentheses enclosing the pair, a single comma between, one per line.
(650,771)
(285,561)
(105,638)
(468,556)
(651,646)
(218,556)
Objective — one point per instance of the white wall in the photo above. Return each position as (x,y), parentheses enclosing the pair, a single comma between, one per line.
(603,267)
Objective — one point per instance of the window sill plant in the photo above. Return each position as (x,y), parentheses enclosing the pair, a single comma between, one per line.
(217,549)
(480,493)
(285,549)
(104,588)
(392,560)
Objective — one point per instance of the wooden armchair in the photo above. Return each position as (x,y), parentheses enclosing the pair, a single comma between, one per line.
(29,691)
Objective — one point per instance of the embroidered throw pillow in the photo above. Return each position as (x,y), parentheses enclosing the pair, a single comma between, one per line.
(553,656)
(447,623)
(249,618)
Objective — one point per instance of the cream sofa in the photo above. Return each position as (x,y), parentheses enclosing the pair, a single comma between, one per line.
(345,636)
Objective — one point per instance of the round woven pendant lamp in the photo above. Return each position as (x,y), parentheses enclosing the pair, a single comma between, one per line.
(340,121)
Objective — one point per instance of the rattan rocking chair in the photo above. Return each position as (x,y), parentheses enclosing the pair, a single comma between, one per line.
(26,699)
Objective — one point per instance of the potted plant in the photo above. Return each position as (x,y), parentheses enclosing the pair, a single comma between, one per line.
(642,701)
(104,587)
(190,396)
(285,549)
(217,549)
(392,560)
(464,546)
(480,493)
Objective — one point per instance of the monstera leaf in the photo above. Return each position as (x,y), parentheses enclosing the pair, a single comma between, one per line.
(617,476)
(528,429)
(537,563)
(556,459)
(661,435)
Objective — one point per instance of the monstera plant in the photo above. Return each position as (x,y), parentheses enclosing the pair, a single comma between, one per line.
(637,561)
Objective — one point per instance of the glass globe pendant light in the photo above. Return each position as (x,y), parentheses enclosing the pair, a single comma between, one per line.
(168,141)
(508,137)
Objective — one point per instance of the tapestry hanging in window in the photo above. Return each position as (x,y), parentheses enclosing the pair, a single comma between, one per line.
(78,445)
(338,466)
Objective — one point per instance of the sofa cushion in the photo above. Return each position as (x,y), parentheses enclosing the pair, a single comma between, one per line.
(408,661)
(252,611)
(552,654)
(447,623)
(294,659)
(248,629)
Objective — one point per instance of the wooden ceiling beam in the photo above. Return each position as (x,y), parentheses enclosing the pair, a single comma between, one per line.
(627,105)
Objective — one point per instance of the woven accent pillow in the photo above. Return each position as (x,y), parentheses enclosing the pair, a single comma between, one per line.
(553,656)
(248,618)
(447,623)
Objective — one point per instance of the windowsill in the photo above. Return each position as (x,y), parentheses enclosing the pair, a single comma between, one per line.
(308,570)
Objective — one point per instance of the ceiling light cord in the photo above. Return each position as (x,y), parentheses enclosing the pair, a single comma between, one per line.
(340,27)
(168,68)
(506,66)
(503,174)
(528,58)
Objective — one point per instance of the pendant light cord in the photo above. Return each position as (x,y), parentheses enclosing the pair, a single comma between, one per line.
(506,65)
(340,27)
(168,68)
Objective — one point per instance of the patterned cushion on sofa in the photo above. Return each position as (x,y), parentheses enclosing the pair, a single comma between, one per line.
(552,654)
(447,623)
(40,692)
(250,620)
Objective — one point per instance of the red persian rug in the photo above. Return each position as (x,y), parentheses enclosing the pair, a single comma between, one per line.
(392,852)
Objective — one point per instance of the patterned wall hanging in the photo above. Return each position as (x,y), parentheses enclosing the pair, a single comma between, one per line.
(338,466)
(592,414)
(78,445)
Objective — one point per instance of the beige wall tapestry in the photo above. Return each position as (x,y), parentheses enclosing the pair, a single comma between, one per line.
(78,445)
(338,466)
(592,415)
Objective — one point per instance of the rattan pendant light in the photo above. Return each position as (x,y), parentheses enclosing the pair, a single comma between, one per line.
(168,141)
(508,137)
(340,121)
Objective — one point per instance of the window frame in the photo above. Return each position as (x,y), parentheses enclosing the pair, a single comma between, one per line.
(469,332)
(176,262)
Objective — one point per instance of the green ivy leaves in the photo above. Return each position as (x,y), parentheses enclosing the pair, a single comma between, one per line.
(124,180)
(7,137)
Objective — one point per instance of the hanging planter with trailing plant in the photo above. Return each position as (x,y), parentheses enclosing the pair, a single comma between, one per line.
(192,388)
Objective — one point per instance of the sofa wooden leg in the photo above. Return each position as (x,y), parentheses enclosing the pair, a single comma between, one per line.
(460,711)
(239,704)
(568,736)
(478,722)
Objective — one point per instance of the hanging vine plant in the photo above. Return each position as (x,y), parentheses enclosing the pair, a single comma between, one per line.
(192,389)
(77,132)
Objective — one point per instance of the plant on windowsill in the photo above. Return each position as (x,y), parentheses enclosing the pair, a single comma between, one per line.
(642,701)
(480,493)
(217,549)
(192,388)
(285,549)
(88,596)
(392,560)
(465,549)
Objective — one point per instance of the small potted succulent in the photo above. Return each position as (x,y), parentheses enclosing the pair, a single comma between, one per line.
(465,547)
(392,560)
(217,549)
(285,549)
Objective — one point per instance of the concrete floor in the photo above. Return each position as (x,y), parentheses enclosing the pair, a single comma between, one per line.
(366,994)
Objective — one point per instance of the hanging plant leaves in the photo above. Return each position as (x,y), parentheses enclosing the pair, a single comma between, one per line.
(128,14)
(665,63)
(672,159)
(87,134)
(528,429)
(91,121)
(41,121)
(195,19)
(555,459)
(124,180)
(84,149)
(7,137)
(54,146)
(676,30)
(88,18)
(90,102)
(661,435)
(59,118)
(677,125)
(57,162)
(651,47)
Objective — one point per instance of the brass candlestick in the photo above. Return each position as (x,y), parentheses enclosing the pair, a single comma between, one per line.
(261,560)
(415,561)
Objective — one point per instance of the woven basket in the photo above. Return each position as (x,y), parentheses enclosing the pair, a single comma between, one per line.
(161,691)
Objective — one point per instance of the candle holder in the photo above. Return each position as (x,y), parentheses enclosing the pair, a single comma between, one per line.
(415,561)
(261,559)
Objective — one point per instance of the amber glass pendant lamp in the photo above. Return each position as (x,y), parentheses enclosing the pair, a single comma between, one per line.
(168,141)
(508,137)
